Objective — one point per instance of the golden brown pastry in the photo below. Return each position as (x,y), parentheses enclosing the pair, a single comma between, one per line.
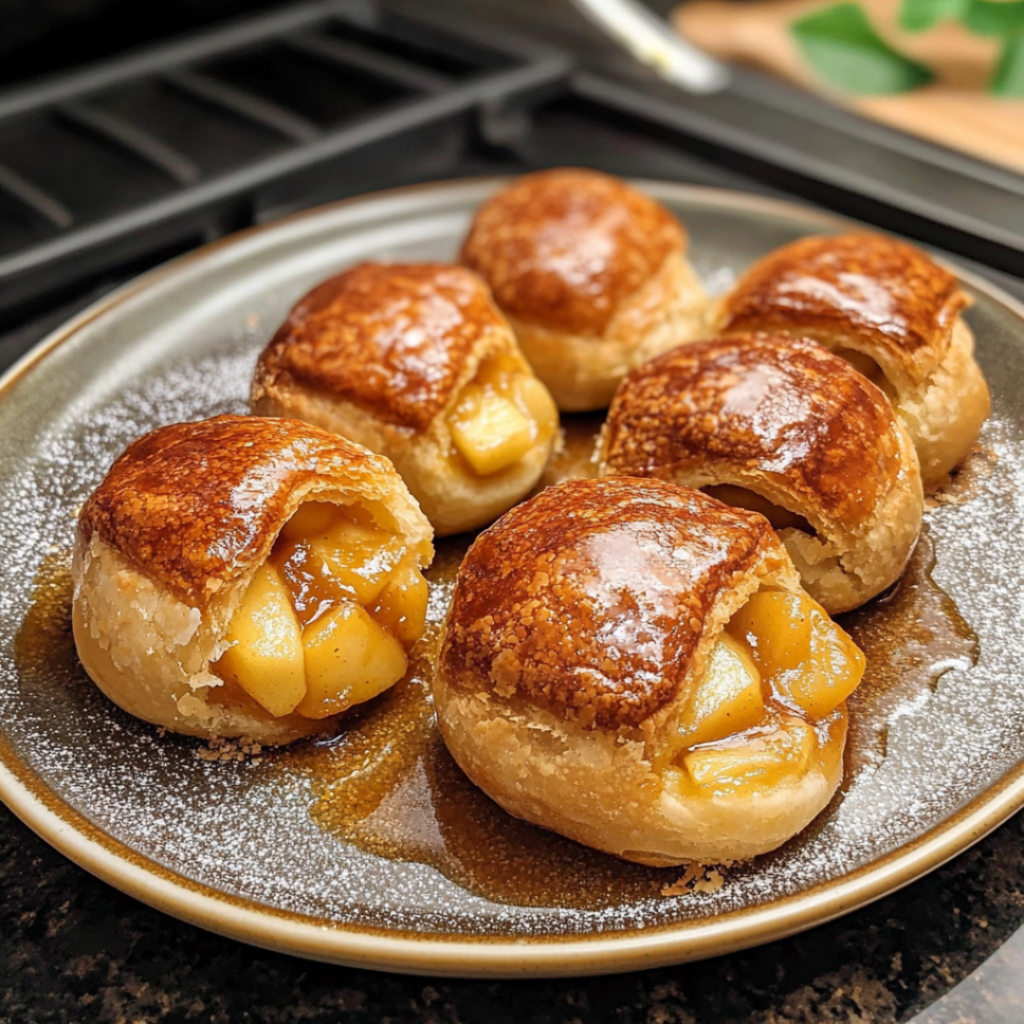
(782,426)
(634,665)
(592,275)
(415,362)
(248,577)
(893,313)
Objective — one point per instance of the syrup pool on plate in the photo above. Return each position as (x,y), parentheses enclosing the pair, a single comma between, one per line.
(386,783)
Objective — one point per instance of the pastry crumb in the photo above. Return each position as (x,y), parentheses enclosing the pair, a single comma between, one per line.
(220,749)
(965,481)
(700,878)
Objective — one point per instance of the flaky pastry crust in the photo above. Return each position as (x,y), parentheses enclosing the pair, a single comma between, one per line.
(379,354)
(786,419)
(170,540)
(887,300)
(592,275)
(580,625)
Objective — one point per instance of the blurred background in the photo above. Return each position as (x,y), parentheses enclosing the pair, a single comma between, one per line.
(130,133)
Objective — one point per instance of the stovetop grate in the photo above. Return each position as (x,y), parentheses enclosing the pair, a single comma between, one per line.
(190,140)
(111,170)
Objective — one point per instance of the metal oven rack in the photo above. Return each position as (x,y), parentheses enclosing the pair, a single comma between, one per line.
(110,170)
(188,141)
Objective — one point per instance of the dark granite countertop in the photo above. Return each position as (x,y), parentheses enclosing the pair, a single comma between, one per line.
(74,950)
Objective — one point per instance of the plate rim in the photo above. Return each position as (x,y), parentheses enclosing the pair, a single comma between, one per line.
(111,860)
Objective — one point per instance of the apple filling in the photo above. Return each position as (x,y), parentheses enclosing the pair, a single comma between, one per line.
(500,416)
(328,618)
(770,701)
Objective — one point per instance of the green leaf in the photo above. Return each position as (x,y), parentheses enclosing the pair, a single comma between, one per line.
(842,46)
(995,17)
(920,15)
(1008,79)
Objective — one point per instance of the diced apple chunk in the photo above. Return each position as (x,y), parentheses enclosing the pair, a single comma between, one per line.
(489,431)
(266,657)
(498,371)
(809,661)
(728,699)
(309,519)
(538,402)
(356,558)
(402,606)
(349,659)
(763,759)
(833,672)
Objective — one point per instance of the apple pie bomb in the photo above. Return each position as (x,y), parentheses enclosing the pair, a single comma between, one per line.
(592,275)
(781,426)
(251,577)
(415,362)
(635,665)
(893,313)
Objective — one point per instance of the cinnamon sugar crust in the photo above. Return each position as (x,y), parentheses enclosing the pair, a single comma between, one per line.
(877,289)
(778,406)
(561,249)
(591,598)
(390,338)
(196,505)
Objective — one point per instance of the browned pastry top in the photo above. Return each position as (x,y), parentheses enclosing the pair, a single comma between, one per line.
(560,249)
(590,599)
(392,338)
(884,290)
(194,505)
(774,405)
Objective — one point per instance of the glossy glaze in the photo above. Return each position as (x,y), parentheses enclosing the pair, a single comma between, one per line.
(561,249)
(591,597)
(775,406)
(195,505)
(391,338)
(879,290)
(576,454)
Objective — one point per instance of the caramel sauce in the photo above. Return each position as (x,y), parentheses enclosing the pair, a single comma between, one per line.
(575,456)
(44,645)
(387,784)
(911,635)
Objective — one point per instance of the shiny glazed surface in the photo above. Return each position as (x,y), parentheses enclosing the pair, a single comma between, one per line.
(195,505)
(560,249)
(784,407)
(391,338)
(591,598)
(877,288)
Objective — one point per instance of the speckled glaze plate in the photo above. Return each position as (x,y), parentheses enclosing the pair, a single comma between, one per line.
(371,848)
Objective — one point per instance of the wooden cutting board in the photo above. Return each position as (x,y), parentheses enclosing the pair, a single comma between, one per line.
(954,110)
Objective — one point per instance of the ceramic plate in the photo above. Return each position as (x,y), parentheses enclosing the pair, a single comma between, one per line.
(371,848)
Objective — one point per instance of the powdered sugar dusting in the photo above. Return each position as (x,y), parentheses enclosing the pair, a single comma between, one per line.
(243,825)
